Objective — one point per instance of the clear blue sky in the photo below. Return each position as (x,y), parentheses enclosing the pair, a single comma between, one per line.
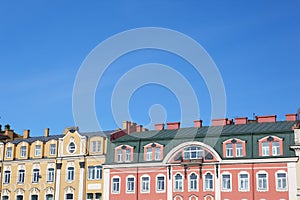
(255,44)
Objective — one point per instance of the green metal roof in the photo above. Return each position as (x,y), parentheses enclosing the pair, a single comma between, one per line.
(213,136)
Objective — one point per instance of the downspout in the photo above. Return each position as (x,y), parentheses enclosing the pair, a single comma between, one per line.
(137,170)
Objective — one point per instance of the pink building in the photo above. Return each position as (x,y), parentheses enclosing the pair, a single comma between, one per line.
(237,159)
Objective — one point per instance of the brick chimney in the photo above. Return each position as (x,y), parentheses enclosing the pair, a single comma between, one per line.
(173,125)
(267,118)
(159,127)
(219,122)
(8,131)
(241,120)
(46,133)
(26,134)
(130,127)
(139,128)
(198,123)
(291,117)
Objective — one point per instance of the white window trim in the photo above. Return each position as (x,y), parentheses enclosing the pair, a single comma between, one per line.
(175,182)
(213,178)
(67,174)
(189,183)
(236,149)
(134,182)
(75,147)
(47,176)
(239,186)
(50,152)
(276,181)
(145,192)
(229,156)
(225,189)
(156,189)
(267,177)
(18,182)
(112,183)
(35,150)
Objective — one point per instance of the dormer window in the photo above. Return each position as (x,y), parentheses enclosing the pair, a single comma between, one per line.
(23,151)
(124,153)
(153,151)
(234,148)
(270,146)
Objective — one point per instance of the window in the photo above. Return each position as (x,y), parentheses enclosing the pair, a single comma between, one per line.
(34,197)
(160,183)
(115,185)
(94,172)
(89,196)
(145,184)
(149,153)
(21,176)
(275,149)
(226,182)
(209,181)
(281,181)
(52,149)
(49,197)
(229,151)
(69,196)
(192,153)
(130,184)
(262,181)
(193,182)
(72,147)
(127,155)
(98,196)
(23,151)
(35,175)
(9,152)
(96,146)
(19,197)
(70,174)
(37,151)
(119,155)
(265,149)
(6,177)
(178,183)
(4,197)
(50,175)
(157,153)
(239,150)
(243,182)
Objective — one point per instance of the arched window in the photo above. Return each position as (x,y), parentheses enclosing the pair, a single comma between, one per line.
(178,182)
(193,182)
(209,182)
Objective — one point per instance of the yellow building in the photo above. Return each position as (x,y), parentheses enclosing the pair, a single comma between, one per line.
(54,167)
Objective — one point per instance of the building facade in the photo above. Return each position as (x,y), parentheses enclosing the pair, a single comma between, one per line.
(237,159)
(66,166)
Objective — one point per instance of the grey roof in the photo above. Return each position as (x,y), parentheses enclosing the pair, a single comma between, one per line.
(39,138)
(98,133)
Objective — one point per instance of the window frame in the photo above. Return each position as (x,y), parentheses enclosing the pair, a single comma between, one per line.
(52,149)
(198,152)
(37,150)
(195,182)
(240,179)
(50,175)
(23,151)
(178,183)
(277,180)
(70,174)
(223,188)
(205,188)
(143,183)
(130,185)
(21,176)
(259,179)
(160,184)
(7,176)
(8,152)
(113,184)
(35,175)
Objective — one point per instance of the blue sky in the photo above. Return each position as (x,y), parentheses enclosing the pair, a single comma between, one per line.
(255,44)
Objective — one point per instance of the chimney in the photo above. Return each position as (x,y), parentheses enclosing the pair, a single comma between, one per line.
(9,132)
(229,121)
(267,118)
(173,125)
(159,127)
(46,133)
(241,120)
(198,123)
(219,122)
(139,128)
(291,117)
(26,134)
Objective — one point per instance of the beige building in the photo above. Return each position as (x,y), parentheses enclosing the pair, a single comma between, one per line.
(54,167)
